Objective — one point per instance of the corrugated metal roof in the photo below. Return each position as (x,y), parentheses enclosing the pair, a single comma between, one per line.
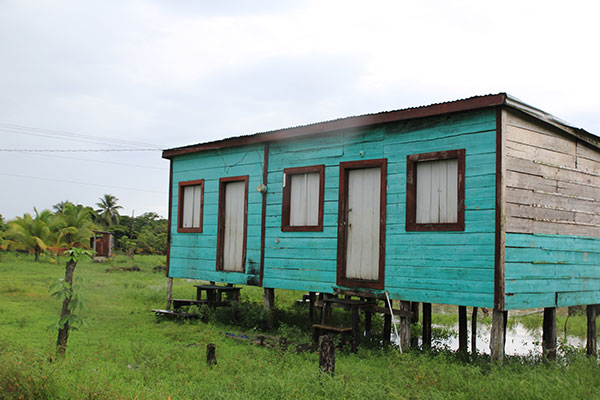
(470,103)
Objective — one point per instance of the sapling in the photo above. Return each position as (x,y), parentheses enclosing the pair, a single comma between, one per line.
(73,299)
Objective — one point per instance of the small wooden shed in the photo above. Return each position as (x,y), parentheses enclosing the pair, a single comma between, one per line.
(483,202)
(102,244)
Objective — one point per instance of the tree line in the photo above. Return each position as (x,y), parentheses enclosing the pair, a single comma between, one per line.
(71,225)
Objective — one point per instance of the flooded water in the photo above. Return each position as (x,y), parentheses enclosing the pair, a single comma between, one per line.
(519,340)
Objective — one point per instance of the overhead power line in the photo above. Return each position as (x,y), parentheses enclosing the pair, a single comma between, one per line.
(83,183)
(61,157)
(72,150)
(56,134)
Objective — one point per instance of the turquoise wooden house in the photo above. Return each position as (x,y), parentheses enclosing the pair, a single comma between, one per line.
(482,202)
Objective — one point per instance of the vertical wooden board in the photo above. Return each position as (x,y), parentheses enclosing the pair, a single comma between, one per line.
(362,252)
(451,190)
(233,243)
(197,209)
(188,206)
(424,195)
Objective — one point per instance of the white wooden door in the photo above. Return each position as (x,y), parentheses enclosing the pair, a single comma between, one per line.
(363,223)
(233,230)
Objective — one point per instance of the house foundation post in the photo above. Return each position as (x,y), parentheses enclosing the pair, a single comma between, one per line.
(591,346)
(169,292)
(497,335)
(404,327)
(311,306)
(549,333)
(474,331)
(462,331)
(414,340)
(426,325)
(269,302)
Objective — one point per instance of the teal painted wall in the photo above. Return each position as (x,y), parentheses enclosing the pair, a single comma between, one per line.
(438,267)
(551,270)
(193,255)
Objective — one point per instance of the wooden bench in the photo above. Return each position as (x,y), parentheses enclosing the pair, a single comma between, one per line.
(214,294)
(321,329)
(175,314)
(178,303)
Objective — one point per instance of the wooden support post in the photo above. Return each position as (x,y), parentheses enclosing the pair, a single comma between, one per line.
(211,357)
(326,310)
(387,329)
(269,301)
(169,292)
(549,333)
(474,331)
(355,329)
(426,325)
(414,312)
(404,327)
(592,313)
(462,330)
(311,306)
(326,355)
(414,340)
(497,336)
(368,322)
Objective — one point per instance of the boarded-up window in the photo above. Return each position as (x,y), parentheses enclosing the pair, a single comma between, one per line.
(303,199)
(191,195)
(435,191)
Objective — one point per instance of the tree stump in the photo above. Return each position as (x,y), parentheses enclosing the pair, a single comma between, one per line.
(211,357)
(326,355)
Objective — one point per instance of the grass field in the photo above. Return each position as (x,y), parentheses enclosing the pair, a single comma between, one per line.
(125,353)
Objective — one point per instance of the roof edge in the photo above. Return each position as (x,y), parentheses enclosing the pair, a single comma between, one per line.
(360,121)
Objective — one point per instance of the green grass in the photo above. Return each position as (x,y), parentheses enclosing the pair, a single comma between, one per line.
(125,353)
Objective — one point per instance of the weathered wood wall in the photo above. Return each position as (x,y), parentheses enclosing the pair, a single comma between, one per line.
(552,216)
(193,255)
(439,267)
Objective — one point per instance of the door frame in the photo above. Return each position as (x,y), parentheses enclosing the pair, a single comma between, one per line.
(345,167)
(221,224)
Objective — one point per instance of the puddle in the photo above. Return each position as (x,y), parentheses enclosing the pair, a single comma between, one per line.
(519,340)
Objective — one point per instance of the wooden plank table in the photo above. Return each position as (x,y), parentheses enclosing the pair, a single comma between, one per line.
(214,294)
(354,306)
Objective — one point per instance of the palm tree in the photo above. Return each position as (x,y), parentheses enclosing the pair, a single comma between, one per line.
(108,210)
(74,226)
(30,234)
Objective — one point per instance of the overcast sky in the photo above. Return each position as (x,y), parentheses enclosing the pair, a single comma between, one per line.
(157,74)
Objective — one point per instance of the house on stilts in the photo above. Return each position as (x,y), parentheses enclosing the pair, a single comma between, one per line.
(481,202)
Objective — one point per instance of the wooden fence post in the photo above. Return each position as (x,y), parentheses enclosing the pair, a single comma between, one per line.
(326,355)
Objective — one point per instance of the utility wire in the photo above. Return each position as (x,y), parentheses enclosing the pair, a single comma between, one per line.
(96,161)
(82,183)
(72,150)
(21,129)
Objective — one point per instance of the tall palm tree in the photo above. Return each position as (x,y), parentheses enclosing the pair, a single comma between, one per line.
(108,210)
(31,234)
